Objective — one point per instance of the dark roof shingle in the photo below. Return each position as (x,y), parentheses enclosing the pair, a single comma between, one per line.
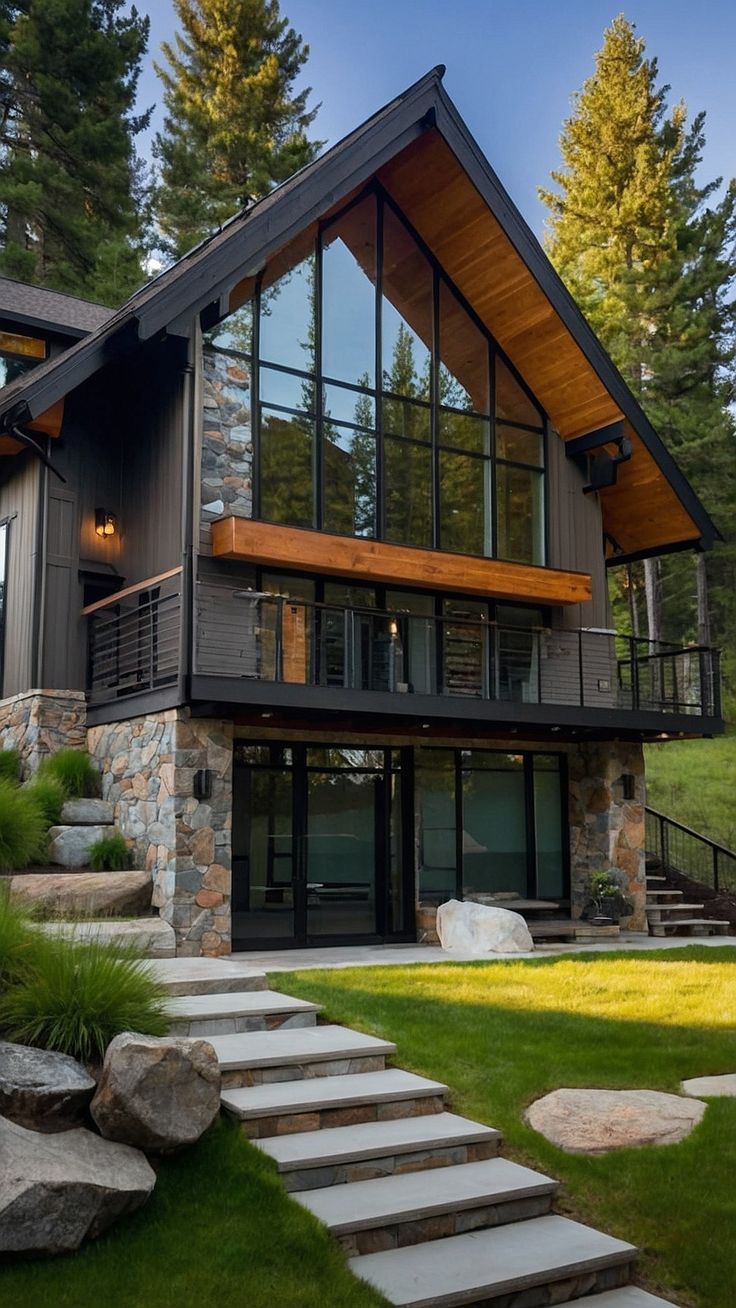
(66,313)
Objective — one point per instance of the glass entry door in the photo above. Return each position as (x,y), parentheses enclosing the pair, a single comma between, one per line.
(318,845)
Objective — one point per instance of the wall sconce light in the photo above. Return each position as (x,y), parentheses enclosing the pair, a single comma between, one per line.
(106,524)
(202,787)
(628,785)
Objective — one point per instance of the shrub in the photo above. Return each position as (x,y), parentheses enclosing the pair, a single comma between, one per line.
(109,854)
(22,827)
(74,771)
(18,942)
(75,997)
(9,765)
(48,795)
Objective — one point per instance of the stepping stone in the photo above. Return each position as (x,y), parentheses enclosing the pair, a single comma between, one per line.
(260,1056)
(412,1207)
(313,1159)
(484,1266)
(237,1012)
(712,1087)
(596,1121)
(629,1296)
(206,976)
(101,893)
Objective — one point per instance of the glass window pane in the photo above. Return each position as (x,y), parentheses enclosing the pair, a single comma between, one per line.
(517,665)
(465,648)
(350,596)
(10,368)
(349,480)
(520,514)
(406,311)
(287,319)
(234,332)
(408,492)
(492,759)
(512,401)
(548,831)
(463,370)
(402,418)
(286,469)
(437,825)
(519,446)
(349,295)
(494,832)
(291,587)
(348,406)
(416,632)
(513,615)
(263,867)
(287,389)
(464,432)
(465,520)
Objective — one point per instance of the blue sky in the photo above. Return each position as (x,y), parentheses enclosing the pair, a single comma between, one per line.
(511,66)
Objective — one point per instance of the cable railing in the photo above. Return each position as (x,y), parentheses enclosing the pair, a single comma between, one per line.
(134,639)
(680,849)
(247,634)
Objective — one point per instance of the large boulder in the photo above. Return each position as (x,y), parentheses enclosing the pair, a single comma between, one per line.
(479,929)
(70,845)
(41,1089)
(57,1190)
(158,1093)
(596,1121)
(84,892)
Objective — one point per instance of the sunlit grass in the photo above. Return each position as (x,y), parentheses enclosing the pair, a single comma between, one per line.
(502,1034)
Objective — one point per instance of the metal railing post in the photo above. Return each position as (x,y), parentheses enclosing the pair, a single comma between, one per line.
(633,654)
(716,879)
(279,641)
(580,669)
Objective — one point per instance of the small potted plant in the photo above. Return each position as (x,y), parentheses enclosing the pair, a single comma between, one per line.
(607,899)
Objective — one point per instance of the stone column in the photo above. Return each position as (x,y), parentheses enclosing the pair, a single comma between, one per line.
(39,722)
(607,830)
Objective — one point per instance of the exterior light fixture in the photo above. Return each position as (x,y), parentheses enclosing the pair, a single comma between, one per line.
(106,524)
(202,783)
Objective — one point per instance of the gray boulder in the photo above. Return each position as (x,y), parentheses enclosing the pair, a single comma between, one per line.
(158,1093)
(96,893)
(58,1190)
(87,812)
(41,1089)
(70,845)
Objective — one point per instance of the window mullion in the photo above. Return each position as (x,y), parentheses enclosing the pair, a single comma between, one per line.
(378,418)
(434,366)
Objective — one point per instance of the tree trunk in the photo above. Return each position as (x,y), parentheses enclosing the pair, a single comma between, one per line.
(633,606)
(701,584)
(653,598)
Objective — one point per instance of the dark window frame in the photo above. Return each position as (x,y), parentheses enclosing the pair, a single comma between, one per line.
(5,529)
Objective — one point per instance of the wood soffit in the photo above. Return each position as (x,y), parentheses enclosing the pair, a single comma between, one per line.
(246,540)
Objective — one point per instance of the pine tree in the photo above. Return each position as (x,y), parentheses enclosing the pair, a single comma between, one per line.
(72,202)
(650,258)
(234,127)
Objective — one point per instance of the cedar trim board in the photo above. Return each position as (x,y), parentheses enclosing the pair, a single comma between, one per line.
(265,543)
(233,691)
(205,273)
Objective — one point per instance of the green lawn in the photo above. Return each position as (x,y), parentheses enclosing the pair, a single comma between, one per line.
(694,781)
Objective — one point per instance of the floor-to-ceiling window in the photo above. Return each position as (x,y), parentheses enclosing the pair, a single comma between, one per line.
(385,409)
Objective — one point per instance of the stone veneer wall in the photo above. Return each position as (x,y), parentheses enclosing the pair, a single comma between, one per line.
(148,766)
(606,830)
(39,722)
(227,445)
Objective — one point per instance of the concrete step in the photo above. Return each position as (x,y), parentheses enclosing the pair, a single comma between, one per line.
(238,1011)
(413,1207)
(263,1056)
(695,926)
(207,976)
(656,895)
(326,1101)
(655,879)
(669,912)
(150,937)
(314,1159)
(548,1259)
(629,1296)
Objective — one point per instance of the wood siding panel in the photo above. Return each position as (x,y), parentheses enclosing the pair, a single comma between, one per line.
(19,501)
(274,546)
(576,535)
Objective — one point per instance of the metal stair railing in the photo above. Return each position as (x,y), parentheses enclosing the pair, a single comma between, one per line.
(688,852)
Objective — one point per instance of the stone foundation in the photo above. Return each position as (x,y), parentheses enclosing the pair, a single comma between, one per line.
(148,767)
(606,830)
(39,722)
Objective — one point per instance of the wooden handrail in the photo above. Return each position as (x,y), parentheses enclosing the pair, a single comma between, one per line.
(131,590)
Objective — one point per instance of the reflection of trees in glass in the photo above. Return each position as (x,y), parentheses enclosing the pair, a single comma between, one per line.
(234,332)
(286,479)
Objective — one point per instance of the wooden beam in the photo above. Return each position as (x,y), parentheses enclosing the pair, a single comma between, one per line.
(111,600)
(312,551)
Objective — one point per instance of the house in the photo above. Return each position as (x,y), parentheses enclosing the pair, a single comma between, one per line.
(325,577)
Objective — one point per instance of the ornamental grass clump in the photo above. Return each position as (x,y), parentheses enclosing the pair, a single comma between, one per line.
(48,795)
(74,997)
(74,771)
(17,941)
(9,765)
(23,828)
(109,854)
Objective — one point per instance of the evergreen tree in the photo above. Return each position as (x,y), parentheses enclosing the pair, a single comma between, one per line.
(234,127)
(72,201)
(649,255)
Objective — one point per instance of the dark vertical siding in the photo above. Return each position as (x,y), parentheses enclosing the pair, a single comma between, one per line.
(576,535)
(19,501)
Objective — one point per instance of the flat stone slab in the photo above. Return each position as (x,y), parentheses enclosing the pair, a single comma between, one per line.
(87,812)
(151,937)
(84,892)
(243,1003)
(286,1048)
(463,1269)
(712,1087)
(597,1121)
(207,976)
(316,1093)
(42,1089)
(70,845)
(629,1296)
(338,1144)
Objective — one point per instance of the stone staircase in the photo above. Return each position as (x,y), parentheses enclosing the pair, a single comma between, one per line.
(420,1199)
(669,914)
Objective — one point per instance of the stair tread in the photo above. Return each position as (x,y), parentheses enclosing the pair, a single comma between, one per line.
(665,892)
(287,1047)
(460,1269)
(328,1092)
(410,1196)
(694,921)
(628,1296)
(237,1003)
(339,1144)
(199,976)
(675,908)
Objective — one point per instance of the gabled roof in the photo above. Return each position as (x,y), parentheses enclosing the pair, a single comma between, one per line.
(37,307)
(422,152)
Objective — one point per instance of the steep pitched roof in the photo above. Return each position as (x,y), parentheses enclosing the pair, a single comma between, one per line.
(422,151)
(36,306)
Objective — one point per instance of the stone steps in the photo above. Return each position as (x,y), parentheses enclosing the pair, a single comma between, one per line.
(667,893)
(238,1012)
(546,1260)
(671,912)
(263,1056)
(206,976)
(696,926)
(413,1207)
(150,937)
(289,1106)
(629,1296)
(337,1155)
(85,893)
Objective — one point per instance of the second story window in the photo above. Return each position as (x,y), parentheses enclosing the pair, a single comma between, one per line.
(18,354)
(385,409)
